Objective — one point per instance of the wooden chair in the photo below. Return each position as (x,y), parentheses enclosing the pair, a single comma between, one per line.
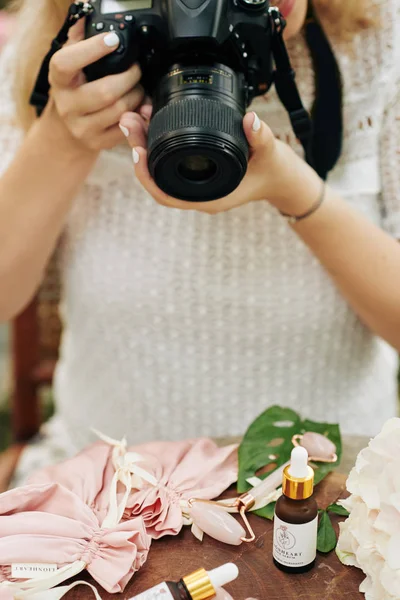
(34,351)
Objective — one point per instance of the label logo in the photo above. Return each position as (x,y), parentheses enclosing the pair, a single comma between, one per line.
(31,570)
(285,538)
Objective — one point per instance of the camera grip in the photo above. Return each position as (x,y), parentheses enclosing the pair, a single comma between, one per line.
(123,57)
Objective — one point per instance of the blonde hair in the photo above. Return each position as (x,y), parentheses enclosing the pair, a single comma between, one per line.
(40,20)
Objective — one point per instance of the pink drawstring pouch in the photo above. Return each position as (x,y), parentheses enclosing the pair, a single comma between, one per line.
(47,524)
(99,475)
(161,477)
(88,475)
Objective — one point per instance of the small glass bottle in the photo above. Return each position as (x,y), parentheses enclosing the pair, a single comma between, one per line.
(200,585)
(296,517)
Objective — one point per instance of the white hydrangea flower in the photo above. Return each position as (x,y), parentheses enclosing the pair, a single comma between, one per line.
(370,538)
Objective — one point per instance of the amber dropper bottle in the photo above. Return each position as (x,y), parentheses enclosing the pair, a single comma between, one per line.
(200,585)
(296,517)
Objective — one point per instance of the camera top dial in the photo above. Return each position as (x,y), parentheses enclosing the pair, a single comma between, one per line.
(253,4)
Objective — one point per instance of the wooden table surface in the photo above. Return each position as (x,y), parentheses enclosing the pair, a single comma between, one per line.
(172,558)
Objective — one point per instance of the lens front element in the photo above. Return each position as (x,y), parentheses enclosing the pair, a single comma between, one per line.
(197,168)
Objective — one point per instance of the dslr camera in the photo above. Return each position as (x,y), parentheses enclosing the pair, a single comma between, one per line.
(203,62)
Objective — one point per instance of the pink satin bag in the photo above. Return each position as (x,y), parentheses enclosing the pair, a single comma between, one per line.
(191,469)
(47,523)
(88,475)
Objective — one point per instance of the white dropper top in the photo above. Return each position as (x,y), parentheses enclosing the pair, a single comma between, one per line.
(223,575)
(299,463)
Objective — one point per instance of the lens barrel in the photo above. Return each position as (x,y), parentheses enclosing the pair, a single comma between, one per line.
(197,149)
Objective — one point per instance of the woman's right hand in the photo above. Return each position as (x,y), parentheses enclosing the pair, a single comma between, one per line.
(91,111)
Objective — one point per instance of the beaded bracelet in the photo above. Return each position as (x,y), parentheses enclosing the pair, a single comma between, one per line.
(292,219)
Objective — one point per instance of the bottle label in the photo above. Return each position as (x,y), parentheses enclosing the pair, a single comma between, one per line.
(160,592)
(295,545)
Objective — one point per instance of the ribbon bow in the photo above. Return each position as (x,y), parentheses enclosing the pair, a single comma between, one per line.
(127,472)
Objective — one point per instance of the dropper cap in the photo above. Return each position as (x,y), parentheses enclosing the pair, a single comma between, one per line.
(202,584)
(298,477)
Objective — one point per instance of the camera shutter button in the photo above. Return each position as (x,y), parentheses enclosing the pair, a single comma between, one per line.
(121,47)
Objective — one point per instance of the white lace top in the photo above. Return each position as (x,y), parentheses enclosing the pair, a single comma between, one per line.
(180,324)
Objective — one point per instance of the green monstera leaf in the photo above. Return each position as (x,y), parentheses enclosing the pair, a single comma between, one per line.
(267,445)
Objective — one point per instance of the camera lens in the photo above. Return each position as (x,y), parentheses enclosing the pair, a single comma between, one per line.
(197,168)
(197,148)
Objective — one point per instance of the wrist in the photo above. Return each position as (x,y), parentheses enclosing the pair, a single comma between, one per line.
(51,134)
(300,187)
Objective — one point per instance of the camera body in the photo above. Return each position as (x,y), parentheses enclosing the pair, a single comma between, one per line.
(203,62)
(158,33)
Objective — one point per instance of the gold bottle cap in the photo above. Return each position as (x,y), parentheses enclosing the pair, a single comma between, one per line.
(298,477)
(199,585)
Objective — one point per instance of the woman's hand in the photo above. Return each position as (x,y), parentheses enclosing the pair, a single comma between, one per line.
(91,111)
(275,172)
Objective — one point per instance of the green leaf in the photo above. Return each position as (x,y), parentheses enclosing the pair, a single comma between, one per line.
(267,512)
(338,510)
(270,436)
(326,540)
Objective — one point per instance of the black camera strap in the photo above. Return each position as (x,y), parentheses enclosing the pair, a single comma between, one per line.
(40,95)
(285,84)
(321,133)
(327,111)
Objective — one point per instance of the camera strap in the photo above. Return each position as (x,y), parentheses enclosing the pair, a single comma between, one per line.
(285,84)
(40,95)
(327,111)
(321,133)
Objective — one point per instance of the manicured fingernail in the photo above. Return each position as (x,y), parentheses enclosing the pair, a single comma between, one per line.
(124,130)
(136,156)
(256,122)
(111,40)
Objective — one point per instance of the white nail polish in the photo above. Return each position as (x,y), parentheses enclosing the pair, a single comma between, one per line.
(111,40)
(135,156)
(124,130)
(256,123)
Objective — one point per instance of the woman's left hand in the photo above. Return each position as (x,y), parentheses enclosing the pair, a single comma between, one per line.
(274,171)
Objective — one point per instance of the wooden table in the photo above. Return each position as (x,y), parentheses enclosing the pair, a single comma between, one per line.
(171,558)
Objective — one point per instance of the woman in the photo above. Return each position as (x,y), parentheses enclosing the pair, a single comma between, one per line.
(181,323)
